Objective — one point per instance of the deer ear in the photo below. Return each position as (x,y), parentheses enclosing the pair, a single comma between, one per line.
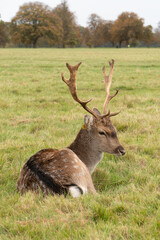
(96,111)
(88,121)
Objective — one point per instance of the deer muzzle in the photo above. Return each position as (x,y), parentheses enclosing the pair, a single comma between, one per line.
(119,151)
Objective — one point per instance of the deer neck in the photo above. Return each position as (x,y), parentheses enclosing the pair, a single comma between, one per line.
(85,148)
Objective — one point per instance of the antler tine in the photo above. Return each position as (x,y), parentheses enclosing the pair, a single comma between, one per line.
(107,81)
(114,114)
(73,88)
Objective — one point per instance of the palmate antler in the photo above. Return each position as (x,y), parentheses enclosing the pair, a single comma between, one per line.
(107,81)
(73,88)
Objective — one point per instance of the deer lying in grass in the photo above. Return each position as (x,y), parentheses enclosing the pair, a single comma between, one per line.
(69,170)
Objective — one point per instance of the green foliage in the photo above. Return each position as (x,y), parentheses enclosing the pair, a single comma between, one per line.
(37,111)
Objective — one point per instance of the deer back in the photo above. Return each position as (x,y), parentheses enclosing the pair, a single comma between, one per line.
(55,171)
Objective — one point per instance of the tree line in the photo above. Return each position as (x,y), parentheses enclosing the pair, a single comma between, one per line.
(37,25)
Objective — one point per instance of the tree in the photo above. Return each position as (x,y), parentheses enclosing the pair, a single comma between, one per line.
(107,31)
(87,37)
(127,29)
(96,26)
(98,31)
(157,34)
(3,34)
(70,32)
(148,35)
(33,21)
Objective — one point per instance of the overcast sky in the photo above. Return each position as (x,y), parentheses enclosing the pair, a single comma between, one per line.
(107,9)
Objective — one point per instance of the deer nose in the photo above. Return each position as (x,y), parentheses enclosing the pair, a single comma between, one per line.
(119,150)
(122,152)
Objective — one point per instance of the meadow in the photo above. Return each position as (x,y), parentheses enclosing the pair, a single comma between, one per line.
(37,112)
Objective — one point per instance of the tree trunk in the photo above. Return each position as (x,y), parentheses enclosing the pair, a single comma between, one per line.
(35,43)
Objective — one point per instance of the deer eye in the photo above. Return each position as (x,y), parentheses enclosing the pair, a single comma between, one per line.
(102,133)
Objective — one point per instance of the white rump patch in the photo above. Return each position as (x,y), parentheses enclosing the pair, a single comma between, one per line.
(75,191)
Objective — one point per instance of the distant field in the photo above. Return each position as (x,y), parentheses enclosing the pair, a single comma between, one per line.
(37,111)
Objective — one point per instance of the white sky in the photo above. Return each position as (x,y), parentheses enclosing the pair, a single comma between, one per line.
(107,9)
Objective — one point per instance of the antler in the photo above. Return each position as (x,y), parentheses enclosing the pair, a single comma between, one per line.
(73,88)
(107,81)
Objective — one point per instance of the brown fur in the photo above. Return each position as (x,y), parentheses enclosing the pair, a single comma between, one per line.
(63,168)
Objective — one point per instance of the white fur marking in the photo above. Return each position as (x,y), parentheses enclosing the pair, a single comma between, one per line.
(75,166)
(75,191)
(84,190)
(75,159)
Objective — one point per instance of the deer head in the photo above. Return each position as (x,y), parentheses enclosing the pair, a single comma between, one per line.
(98,134)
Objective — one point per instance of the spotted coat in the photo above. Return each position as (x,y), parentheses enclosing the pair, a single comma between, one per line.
(55,171)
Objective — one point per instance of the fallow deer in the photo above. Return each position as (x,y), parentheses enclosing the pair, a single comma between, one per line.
(69,170)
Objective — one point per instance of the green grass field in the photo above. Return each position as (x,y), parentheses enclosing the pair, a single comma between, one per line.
(37,111)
